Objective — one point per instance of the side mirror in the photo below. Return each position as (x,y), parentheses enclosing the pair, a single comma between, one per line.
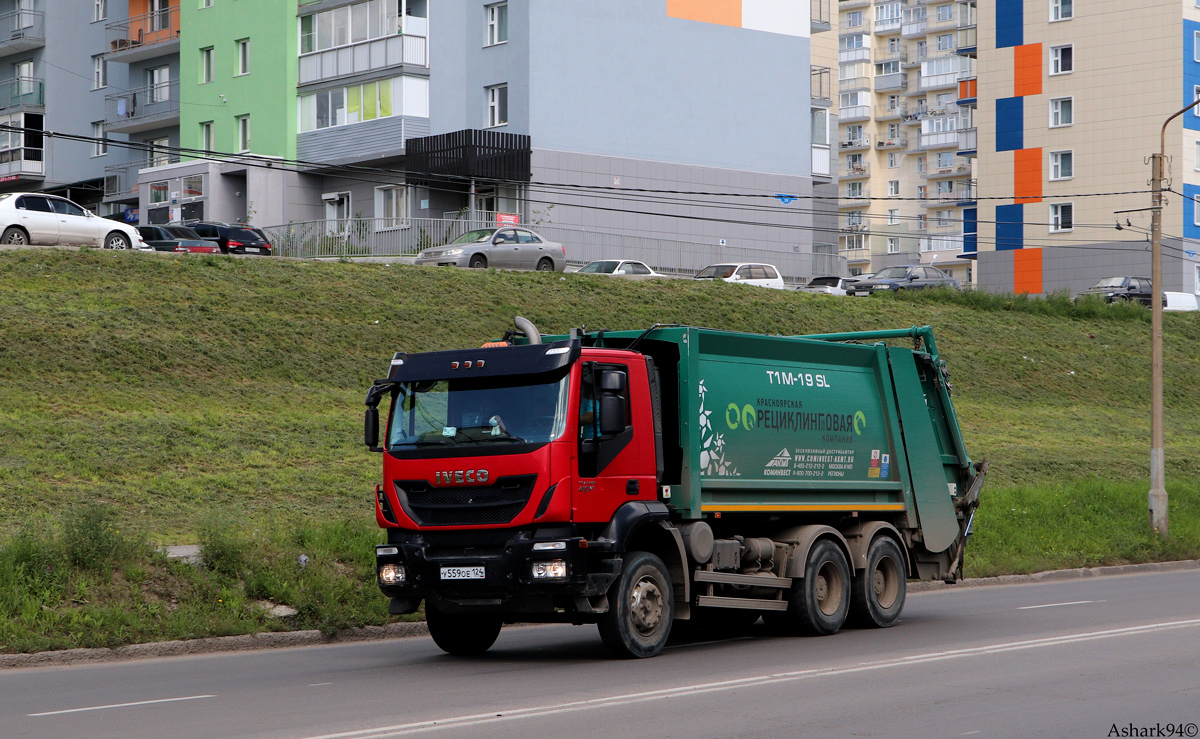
(912,278)
(612,415)
(371,429)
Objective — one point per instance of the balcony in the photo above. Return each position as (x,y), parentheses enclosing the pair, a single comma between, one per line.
(855,26)
(884,113)
(852,113)
(851,84)
(853,4)
(142,109)
(887,26)
(854,198)
(899,55)
(859,54)
(22,30)
(893,82)
(938,140)
(820,86)
(21,163)
(820,161)
(856,143)
(913,24)
(900,141)
(143,36)
(939,81)
(363,57)
(855,171)
(962,169)
(933,25)
(121,180)
(965,41)
(855,254)
(960,195)
(819,16)
(968,141)
(852,223)
(22,93)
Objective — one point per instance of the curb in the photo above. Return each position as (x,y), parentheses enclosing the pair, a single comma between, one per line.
(404,629)
(1081,573)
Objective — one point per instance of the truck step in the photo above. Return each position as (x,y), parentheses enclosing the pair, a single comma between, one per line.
(754,604)
(734,578)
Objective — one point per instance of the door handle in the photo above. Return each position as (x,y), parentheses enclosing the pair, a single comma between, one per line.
(631,487)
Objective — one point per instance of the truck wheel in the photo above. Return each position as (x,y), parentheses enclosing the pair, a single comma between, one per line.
(820,602)
(639,621)
(877,596)
(462,633)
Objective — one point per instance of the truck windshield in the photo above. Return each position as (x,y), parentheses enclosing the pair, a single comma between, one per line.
(485,411)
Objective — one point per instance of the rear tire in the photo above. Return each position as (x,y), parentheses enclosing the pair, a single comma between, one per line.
(117,240)
(820,603)
(478,262)
(638,622)
(877,595)
(546,265)
(462,633)
(15,236)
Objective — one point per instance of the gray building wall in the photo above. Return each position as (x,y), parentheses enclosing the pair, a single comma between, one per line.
(1079,267)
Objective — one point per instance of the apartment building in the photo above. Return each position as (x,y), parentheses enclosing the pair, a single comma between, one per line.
(905,180)
(54,77)
(1071,99)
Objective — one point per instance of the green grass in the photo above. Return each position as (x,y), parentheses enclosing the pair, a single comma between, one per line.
(188,392)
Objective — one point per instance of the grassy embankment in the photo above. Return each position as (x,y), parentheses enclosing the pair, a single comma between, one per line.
(218,401)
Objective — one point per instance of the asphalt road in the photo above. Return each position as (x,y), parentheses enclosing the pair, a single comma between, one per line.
(1059,659)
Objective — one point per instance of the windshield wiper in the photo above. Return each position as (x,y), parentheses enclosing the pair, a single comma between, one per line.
(426,442)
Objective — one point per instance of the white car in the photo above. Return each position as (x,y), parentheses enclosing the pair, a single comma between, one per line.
(827,286)
(762,275)
(619,268)
(37,218)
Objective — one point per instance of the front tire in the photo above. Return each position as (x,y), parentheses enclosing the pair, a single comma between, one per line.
(820,603)
(15,236)
(638,622)
(478,262)
(462,634)
(877,596)
(117,240)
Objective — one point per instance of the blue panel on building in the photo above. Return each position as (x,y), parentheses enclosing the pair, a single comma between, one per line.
(1191,73)
(970,230)
(1010,124)
(1010,227)
(1190,229)
(1010,23)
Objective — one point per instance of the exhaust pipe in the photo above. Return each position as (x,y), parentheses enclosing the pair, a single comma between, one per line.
(526,327)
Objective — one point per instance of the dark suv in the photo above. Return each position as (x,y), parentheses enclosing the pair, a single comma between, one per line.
(1113,289)
(233,238)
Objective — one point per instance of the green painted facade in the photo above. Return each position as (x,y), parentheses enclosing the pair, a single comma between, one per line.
(267,94)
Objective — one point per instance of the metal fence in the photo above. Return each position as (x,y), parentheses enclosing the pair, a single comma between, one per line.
(406,237)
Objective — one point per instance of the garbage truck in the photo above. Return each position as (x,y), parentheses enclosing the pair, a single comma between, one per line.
(668,477)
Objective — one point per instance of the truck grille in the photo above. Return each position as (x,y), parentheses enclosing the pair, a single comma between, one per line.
(465,506)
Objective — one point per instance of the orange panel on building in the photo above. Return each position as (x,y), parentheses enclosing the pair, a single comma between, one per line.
(1027,271)
(722,12)
(966,88)
(1027,70)
(1027,175)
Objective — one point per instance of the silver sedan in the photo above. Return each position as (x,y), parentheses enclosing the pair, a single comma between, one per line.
(504,248)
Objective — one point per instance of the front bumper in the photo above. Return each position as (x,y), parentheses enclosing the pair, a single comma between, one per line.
(459,261)
(506,557)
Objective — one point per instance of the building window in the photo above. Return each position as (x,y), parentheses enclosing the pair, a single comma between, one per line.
(404,95)
(159,84)
(159,191)
(391,206)
(893,188)
(99,72)
(1061,10)
(893,245)
(820,126)
(944,218)
(1062,59)
(854,19)
(354,24)
(193,186)
(893,216)
(206,65)
(1197,288)
(99,143)
(945,160)
(1062,165)
(206,136)
(1196,42)
(99,10)
(243,133)
(497,23)
(206,3)
(1062,112)
(243,56)
(945,42)
(158,151)
(497,105)
(1062,217)
(854,218)
(854,190)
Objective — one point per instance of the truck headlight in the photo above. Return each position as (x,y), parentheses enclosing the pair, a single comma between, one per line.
(555,569)
(550,546)
(392,574)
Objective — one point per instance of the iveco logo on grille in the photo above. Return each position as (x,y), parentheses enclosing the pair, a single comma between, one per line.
(458,477)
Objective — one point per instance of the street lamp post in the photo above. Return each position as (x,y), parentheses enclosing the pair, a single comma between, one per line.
(1158,490)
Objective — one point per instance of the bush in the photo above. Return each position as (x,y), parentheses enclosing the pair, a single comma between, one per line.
(91,539)
(222,548)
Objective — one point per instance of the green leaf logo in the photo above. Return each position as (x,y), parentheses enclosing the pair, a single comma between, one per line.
(860,422)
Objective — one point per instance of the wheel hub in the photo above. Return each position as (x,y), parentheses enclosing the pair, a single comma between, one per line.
(879,582)
(646,606)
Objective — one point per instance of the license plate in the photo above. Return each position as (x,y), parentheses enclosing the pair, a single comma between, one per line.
(462,573)
(254,249)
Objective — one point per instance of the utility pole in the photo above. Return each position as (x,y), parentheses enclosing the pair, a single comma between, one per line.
(1158,490)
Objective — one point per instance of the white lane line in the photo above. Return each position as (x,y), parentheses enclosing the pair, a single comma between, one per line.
(317,685)
(1056,605)
(121,705)
(478,719)
(969,733)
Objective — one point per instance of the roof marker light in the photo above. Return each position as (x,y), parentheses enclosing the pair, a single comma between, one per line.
(558,350)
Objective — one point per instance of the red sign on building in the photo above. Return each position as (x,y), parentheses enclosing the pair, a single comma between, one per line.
(507,219)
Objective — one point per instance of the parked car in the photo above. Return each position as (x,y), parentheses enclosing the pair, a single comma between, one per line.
(620,268)
(235,238)
(828,286)
(177,239)
(762,275)
(907,277)
(1113,289)
(505,248)
(1180,301)
(37,218)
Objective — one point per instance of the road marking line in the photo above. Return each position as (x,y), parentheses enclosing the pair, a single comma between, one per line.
(478,719)
(969,733)
(1056,605)
(121,705)
(317,685)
